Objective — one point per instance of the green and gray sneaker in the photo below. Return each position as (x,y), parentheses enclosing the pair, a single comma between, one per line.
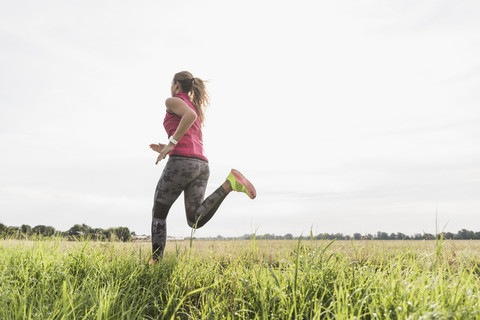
(241,184)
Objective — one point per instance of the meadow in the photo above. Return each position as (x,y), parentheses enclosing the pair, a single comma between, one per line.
(241,279)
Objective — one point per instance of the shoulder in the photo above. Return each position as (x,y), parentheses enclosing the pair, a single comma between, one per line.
(174,100)
(173,103)
(178,106)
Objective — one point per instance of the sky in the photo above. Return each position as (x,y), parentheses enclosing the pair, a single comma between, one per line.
(348,116)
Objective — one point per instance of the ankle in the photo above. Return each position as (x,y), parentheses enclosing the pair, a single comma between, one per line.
(227,186)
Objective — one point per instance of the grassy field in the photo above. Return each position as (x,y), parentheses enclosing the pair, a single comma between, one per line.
(258,279)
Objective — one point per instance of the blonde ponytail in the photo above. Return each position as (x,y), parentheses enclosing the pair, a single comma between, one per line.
(196,90)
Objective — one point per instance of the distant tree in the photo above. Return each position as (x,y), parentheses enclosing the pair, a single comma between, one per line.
(357,236)
(288,236)
(465,234)
(26,229)
(45,231)
(3,230)
(96,234)
(82,230)
(328,236)
(338,236)
(107,234)
(75,230)
(448,235)
(13,231)
(400,236)
(428,236)
(122,234)
(382,235)
(38,230)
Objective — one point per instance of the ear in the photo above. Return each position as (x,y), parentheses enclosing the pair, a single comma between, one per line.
(177,86)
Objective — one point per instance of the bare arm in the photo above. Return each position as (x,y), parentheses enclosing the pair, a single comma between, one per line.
(188,117)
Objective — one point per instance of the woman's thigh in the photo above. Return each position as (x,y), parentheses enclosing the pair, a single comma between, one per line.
(178,173)
(195,192)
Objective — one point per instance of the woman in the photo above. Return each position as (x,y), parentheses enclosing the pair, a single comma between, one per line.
(187,167)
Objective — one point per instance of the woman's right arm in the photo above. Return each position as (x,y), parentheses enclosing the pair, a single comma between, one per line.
(188,117)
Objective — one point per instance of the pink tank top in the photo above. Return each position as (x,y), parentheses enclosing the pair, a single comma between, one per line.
(191,144)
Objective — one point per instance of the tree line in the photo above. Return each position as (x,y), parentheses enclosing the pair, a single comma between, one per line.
(463,234)
(77,231)
(83,231)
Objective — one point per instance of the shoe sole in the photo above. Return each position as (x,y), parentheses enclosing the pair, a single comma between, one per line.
(252,193)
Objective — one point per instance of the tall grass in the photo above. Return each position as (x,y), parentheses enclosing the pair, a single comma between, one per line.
(55,279)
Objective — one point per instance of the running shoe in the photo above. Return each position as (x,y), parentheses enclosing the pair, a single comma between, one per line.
(241,184)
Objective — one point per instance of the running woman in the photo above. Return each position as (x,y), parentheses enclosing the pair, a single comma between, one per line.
(187,167)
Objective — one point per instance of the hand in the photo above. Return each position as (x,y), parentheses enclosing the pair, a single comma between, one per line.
(163,153)
(157,147)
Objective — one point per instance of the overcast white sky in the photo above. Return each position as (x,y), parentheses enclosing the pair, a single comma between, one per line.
(349,116)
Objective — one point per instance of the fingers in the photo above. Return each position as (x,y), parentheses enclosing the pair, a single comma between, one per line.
(157,147)
(162,149)
(153,145)
(160,157)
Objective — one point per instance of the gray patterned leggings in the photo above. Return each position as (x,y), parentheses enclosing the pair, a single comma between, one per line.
(189,175)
